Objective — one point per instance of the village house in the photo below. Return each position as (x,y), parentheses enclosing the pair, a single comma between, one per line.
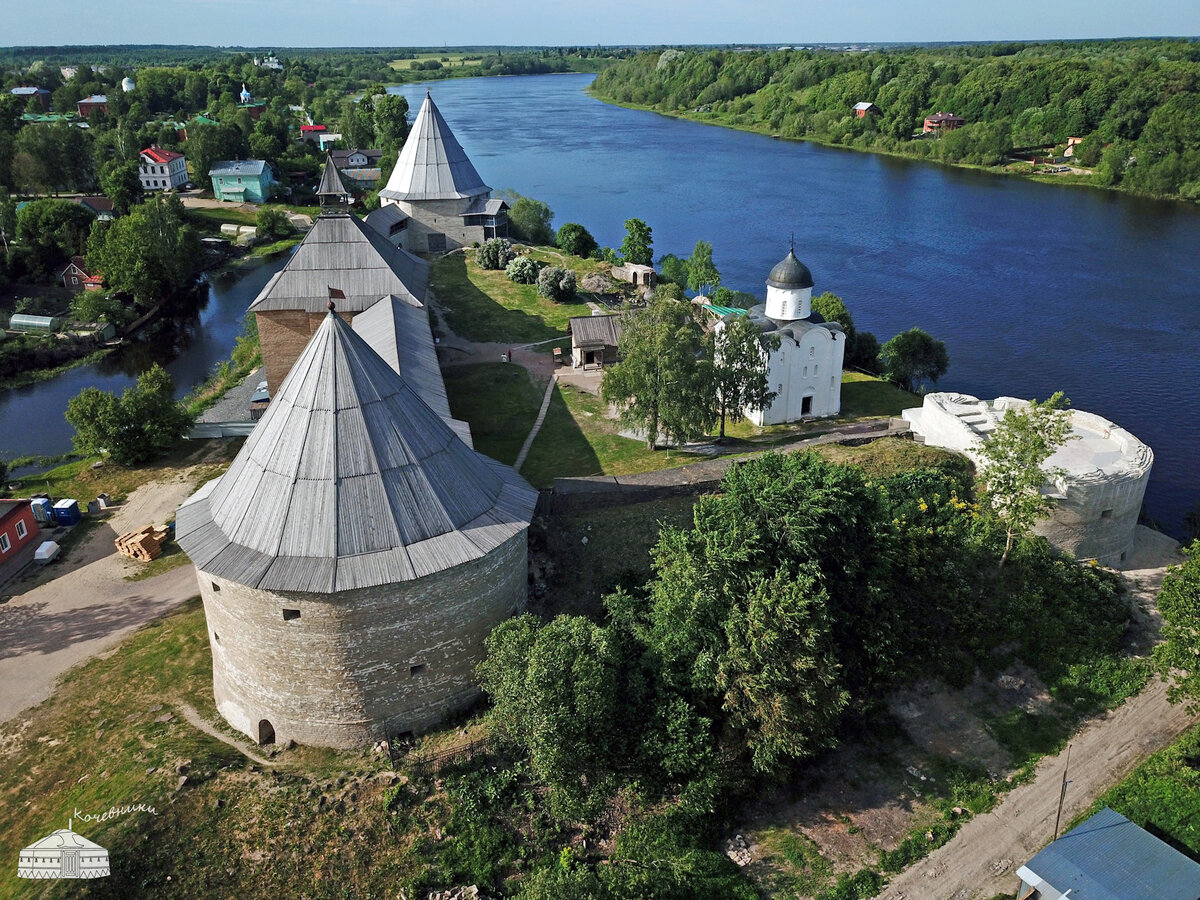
(76,278)
(1072,143)
(942,121)
(18,536)
(864,109)
(311,134)
(594,340)
(100,207)
(161,169)
(435,186)
(242,180)
(88,105)
(359,169)
(41,95)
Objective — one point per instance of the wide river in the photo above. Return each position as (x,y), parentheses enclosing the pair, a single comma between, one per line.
(1034,288)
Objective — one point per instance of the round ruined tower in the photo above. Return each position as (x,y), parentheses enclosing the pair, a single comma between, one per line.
(354,556)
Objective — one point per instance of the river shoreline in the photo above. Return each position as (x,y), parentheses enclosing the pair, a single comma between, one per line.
(996,171)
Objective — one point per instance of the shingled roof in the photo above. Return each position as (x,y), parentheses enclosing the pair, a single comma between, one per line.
(432,164)
(341,252)
(349,481)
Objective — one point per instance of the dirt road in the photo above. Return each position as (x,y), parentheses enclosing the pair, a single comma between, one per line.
(53,625)
(982,859)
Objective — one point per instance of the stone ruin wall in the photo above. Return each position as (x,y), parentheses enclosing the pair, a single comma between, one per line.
(340,675)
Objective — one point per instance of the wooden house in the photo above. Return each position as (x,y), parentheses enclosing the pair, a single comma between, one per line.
(942,121)
(594,340)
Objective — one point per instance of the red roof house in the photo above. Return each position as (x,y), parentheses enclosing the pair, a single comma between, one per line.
(76,278)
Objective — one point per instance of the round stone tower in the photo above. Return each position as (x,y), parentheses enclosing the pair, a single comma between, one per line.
(789,290)
(354,556)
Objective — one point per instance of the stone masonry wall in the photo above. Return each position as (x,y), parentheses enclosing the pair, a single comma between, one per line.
(353,667)
(438,217)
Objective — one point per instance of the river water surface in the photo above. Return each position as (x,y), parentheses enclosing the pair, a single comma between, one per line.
(1034,288)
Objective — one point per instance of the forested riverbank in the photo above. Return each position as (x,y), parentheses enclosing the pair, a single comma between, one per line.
(1127,111)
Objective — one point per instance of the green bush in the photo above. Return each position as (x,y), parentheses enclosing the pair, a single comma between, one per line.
(576,240)
(557,284)
(495,253)
(522,270)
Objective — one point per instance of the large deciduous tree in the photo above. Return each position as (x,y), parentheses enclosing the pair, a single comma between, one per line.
(637,247)
(663,383)
(557,691)
(1178,656)
(913,356)
(530,220)
(576,240)
(740,368)
(149,253)
(209,144)
(144,421)
(702,271)
(121,184)
(50,231)
(1014,460)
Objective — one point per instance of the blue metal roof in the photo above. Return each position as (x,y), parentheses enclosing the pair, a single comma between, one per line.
(238,167)
(1110,858)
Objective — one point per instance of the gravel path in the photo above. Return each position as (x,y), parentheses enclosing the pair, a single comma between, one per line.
(56,624)
(982,859)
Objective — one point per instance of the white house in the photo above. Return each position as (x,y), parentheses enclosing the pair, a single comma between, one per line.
(161,169)
(806,371)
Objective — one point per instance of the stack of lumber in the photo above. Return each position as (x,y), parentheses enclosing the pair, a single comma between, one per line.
(145,544)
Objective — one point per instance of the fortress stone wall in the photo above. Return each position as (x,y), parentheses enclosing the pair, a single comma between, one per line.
(1099,497)
(347,669)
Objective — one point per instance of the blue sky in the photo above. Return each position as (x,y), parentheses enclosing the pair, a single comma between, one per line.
(325,23)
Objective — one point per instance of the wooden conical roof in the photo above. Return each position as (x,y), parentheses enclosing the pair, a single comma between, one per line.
(432,164)
(348,481)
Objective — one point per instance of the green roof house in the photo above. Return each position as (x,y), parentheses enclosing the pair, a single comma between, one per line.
(242,180)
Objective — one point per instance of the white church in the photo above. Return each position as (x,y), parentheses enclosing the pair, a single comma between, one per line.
(806,371)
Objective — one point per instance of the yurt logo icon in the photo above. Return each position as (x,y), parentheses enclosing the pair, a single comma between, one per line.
(63,854)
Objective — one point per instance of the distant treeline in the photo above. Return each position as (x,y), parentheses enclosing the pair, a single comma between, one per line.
(1135,104)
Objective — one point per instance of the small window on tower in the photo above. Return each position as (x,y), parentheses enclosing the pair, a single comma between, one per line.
(812,351)
(815,367)
(216,587)
(1106,514)
(290,614)
(416,670)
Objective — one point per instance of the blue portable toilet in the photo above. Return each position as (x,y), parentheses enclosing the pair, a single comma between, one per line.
(66,512)
(42,510)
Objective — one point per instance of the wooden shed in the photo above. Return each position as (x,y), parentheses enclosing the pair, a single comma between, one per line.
(594,340)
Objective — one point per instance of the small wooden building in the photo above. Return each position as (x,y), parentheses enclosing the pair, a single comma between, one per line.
(594,340)
(864,109)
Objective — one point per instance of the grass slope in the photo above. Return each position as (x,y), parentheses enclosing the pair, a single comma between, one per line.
(483,305)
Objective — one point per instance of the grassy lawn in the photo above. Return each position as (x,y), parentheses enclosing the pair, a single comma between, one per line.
(483,305)
(113,735)
(579,439)
(500,401)
(865,396)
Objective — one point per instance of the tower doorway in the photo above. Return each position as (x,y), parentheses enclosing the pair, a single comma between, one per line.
(266,732)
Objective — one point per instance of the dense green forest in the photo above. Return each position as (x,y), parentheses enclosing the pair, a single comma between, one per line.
(1135,104)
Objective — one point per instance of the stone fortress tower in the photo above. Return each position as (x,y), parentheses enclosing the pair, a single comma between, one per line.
(358,550)
(1098,498)
(806,371)
(435,200)
(354,556)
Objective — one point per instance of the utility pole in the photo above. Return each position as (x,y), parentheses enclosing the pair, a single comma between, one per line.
(1062,794)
